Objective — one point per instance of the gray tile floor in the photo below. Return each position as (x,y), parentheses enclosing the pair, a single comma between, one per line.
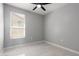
(40,49)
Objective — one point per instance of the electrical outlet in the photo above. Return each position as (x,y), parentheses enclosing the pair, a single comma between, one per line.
(31,38)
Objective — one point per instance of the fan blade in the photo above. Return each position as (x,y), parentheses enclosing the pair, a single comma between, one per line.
(41,3)
(35,8)
(43,8)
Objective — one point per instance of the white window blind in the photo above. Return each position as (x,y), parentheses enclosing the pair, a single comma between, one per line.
(17,25)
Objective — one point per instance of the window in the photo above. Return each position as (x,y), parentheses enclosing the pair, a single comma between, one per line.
(17,25)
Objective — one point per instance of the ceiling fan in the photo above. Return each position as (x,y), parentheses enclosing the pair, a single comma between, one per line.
(40,5)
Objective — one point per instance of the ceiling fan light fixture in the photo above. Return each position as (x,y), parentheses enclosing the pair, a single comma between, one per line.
(39,6)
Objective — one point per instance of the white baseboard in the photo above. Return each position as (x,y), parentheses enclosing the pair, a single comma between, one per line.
(65,48)
(36,42)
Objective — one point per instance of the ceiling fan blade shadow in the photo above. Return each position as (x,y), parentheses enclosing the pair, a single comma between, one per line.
(34,7)
(43,8)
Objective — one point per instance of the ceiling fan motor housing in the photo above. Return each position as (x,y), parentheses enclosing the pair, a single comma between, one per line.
(40,5)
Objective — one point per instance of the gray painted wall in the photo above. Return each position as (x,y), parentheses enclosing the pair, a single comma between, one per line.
(1,26)
(34,27)
(62,26)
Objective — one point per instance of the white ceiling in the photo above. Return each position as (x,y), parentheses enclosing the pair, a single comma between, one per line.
(49,8)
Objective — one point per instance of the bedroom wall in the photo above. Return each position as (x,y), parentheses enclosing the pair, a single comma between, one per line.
(34,26)
(1,26)
(62,26)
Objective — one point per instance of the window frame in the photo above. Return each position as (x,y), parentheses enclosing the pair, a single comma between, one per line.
(11,16)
